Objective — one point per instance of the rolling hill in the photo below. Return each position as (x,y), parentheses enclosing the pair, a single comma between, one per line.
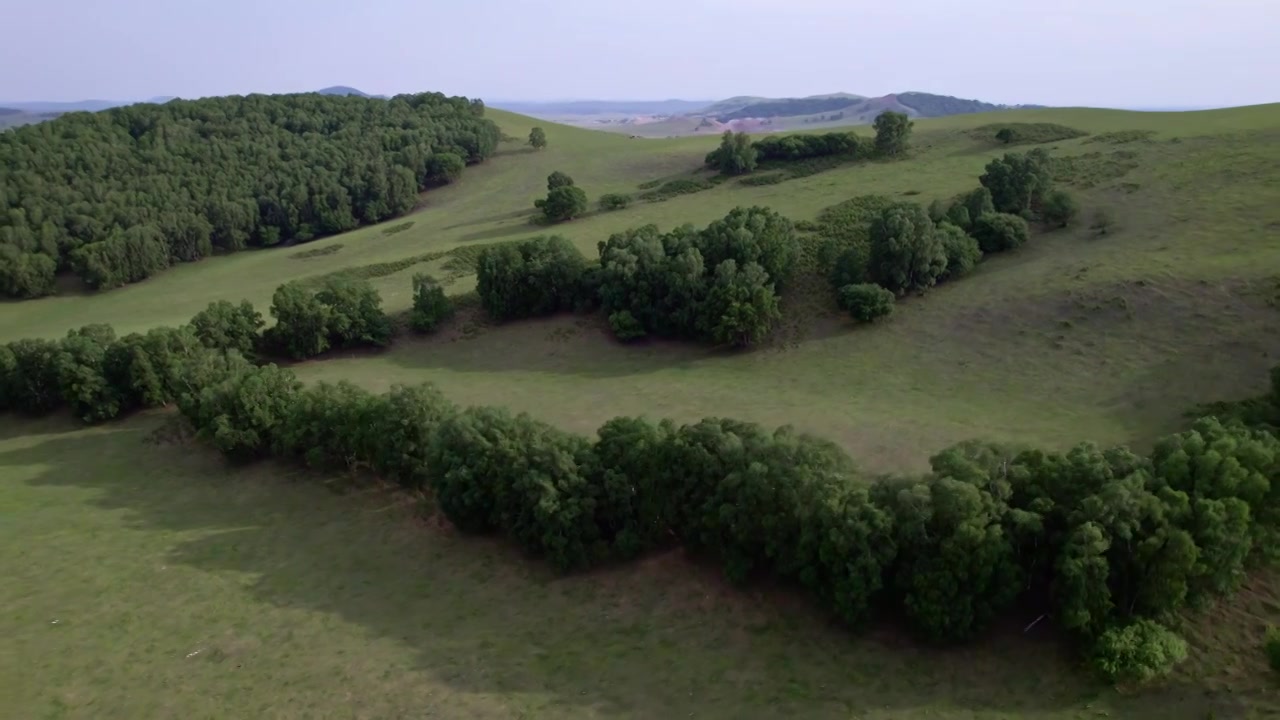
(245,589)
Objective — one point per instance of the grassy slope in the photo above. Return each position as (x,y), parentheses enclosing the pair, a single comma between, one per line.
(206,592)
(303,604)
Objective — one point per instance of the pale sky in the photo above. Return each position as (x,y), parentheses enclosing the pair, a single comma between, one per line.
(1127,53)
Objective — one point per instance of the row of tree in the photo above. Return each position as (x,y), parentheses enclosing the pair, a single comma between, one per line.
(119,195)
(1103,541)
(720,283)
(738,155)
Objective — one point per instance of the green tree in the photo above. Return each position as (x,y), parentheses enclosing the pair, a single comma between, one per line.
(355,315)
(905,253)
(444,168)
(614,201)
(538,138)
(735,156)
(867,302)
(226,326)
(1005,135)
(751,235)
(430,305)
(1019,182)
(243,414)
(558,179)
(563,203)
(893,133)
(302,321)
(32,382)
(1138,652)
(741,305)
(1060,208)
(530,279)
(998,232)
(962,251)
(82,378)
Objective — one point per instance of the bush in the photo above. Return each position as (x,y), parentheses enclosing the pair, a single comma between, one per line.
(244,414)
(344,312)
(998,232)
(867,302)
(32,382)
(905,254)
(625,326)
(1138,652)
(444,168)
(1271,645)
(530,279)
(614,201)
(224,326)
(1059,208)
(962,251)
(741,306)
(850,266)
(563,203)
(430,305)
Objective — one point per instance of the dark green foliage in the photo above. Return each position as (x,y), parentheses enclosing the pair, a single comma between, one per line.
(905,254)
(735,156)
(82,374)
(227,326)
(117,195)
(850,266)
(399,429)
(25,274)
(765,179)
(529,279)
(1018,182)
(1027,133)
(867,302)
(430,305)
(1271,646)
(976,203)
(653,282)
(492,471)
(625,326)
(1060,208)
(788,148)
(32,382)
(893,133)
(538,138)
(344,312)
(1005,135)
(124,257)
(8,366)
(998,232)
(741,305)
(962,251)
(614,201)
(563,203)
(444,168)
(157,368)
(956,567)
(558,179)
(1138,652)
(756,234)
(629,454)
(327,425)
(243,414)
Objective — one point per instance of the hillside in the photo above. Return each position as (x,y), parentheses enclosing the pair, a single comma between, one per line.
(299,574)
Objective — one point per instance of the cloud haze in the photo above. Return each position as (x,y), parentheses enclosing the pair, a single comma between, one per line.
(1084,52)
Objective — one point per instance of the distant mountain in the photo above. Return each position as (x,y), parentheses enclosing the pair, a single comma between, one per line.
(343,90)
(600,107)
(13,117)
(73,106)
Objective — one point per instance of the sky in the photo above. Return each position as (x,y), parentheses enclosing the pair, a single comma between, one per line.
(1111,53)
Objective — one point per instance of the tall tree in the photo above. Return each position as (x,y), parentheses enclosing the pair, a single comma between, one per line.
(538,138)
(893,133)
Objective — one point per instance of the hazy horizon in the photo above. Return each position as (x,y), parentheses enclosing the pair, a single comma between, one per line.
(1177,53)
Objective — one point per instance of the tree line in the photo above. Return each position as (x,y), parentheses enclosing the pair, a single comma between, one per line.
(738,155)
(1107,543)
(119,195)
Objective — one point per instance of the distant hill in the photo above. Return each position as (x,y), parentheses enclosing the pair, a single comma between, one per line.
(344,90)
(14,117)
(601,107)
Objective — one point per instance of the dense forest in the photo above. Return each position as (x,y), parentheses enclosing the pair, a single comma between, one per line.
(119,195)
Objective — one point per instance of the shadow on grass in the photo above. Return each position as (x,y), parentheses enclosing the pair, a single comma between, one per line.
(656,638)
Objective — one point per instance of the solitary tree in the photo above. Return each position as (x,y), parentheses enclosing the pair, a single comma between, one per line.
(565,202)
(538,138)
(893,131)
(1005,135)
(558,179)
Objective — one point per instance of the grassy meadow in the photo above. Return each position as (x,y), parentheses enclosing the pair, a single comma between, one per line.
(146,578)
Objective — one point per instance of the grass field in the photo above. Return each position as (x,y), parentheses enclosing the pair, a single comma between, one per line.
(302,602)
(150,580)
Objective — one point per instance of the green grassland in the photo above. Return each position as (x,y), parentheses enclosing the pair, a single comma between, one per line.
(302,604)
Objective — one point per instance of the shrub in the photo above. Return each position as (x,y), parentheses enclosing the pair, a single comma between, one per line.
(344,312)
(614,201)
(867,302)
(962,251)
(1271,645)
(977,202)
(224,326)
(82,378)
(850,266)
(766,179)
(444,168)
(558,179)
(430,305)
(998,232)
(905,254)
(625,326)
(243,414)
(32,384)
(741,306)
(529,279)
(563,203)
(1138,652)
(1059,208)
(398,435)
(672,188)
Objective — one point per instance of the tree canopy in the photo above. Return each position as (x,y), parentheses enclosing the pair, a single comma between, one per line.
(119,195)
